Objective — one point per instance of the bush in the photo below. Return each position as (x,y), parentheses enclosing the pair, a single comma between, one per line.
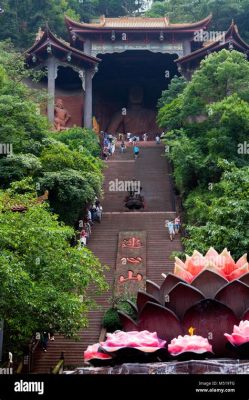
(124,306)
(70,191)
(80,139)
(17,167)
(111,321)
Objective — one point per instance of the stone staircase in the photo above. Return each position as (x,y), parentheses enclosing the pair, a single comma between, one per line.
(151,168)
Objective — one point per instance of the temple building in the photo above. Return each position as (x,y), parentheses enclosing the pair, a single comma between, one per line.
(112,72)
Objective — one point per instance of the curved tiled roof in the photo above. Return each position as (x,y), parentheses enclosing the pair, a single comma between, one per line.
(135,23)
(231,36)
(46,38)
(132,22)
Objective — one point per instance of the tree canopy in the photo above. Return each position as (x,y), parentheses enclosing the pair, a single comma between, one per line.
(42,276)
(207,125)
(220,217)
(66,164)
(223,11)
(44,281)
(22,19)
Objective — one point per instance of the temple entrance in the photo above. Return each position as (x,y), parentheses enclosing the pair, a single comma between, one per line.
(127,87)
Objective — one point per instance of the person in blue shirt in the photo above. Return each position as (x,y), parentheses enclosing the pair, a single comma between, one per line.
(136,151)
(171,227)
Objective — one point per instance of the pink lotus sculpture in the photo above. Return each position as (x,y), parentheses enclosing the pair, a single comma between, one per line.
(212,301)
(189,344)
(209,293)
(125,346)
(240,334)
(93,353)
(144,341)
(223,264)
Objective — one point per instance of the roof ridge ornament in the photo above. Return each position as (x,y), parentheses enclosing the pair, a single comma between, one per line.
(230,45)
(39,34)
(102,20)
(166,20)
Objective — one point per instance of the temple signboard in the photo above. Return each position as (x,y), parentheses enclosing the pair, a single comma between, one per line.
(171,48)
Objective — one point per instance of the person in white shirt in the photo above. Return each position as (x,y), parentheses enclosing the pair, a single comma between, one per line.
(157,139)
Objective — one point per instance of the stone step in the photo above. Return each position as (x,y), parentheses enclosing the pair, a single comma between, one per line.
(153,171)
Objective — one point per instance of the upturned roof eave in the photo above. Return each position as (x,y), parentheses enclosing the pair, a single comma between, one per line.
(88,27)
(49,38)
(232,34)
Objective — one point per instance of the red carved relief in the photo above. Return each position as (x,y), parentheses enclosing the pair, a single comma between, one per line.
(131,276)
(131,260)
(132,243)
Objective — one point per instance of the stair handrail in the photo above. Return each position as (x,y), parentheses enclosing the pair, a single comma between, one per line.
(59,367)
(32,347)
(102,335)
(20,367)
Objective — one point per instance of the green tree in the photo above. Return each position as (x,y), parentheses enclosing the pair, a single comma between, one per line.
(68,166)
(22,19)
(73,177)
(209,120)
(176,86)
(220,217)
(170,114)
(42,276)
(17,167)
(223,11)
(209,124)
(70,191)
(81,139)
(59,156)
(20,121)
(221,74)
(158,9)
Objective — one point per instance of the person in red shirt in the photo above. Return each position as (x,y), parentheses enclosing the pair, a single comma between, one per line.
(177,224)
(83,237)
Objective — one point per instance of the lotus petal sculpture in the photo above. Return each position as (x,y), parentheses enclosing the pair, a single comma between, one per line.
(93,353)
(211,303)
(211,319)
(208,293)
(223,264)
(126,346)
(189,343)
(239,340)
(240,334)
(154,317)
(144,341)
(236,296)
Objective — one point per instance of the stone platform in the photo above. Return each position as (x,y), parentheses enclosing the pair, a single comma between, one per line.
(193,367)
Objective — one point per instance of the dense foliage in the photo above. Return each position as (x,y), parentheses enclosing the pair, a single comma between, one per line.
(111,320)
(220,216)
(223,12)
(207,127)
(67,164)
(44,282)
(42,277)
(176,86)
(22,19)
